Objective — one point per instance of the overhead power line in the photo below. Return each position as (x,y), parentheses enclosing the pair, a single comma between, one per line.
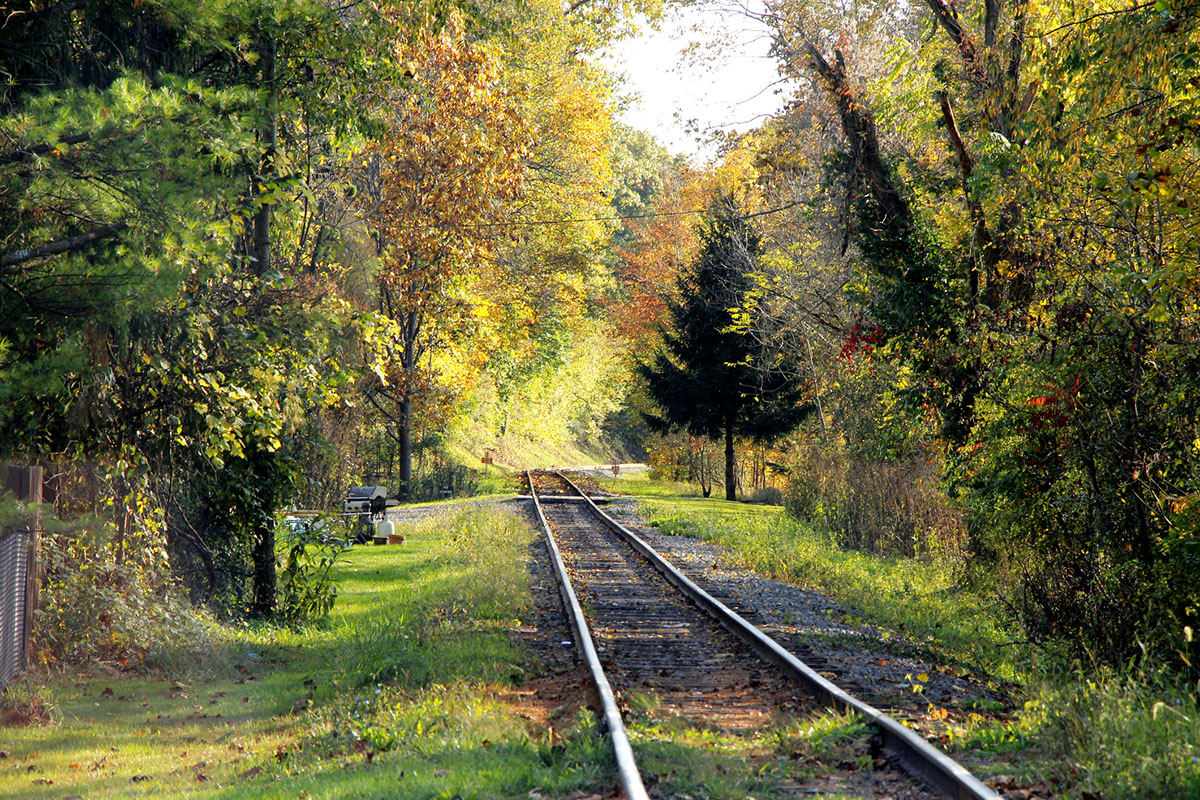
(620,217)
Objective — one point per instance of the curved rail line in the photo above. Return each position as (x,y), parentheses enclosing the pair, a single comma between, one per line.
(917,756)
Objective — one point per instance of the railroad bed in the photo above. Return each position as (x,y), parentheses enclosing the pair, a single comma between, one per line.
(657,650)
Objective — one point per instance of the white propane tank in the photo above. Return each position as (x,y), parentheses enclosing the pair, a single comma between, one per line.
(384,529)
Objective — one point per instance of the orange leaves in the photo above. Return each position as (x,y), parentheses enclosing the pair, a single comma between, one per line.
(452,159)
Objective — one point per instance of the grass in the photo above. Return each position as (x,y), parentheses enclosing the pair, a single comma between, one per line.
(1120,736)
(642,485)
(688,760)
(903,596)
(399,694)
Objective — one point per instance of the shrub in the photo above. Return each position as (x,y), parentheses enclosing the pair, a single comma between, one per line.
(877,506)
(108,595)
(767,496)
(308,550)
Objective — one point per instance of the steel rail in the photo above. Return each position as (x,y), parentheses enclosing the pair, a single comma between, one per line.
(916,755)
(627,771)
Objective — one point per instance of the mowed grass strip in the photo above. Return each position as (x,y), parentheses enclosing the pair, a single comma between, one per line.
(399,694)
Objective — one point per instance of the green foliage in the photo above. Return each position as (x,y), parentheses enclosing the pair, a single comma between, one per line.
(310,549)
(1023,240)
(711,378)
(108,593)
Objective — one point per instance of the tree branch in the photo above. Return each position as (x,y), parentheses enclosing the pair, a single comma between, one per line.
(859,127)
(981,235)
(27,153)
(62,245)
(945,17)
(25,17)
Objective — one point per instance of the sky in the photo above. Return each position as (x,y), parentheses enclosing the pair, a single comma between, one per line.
(704,64)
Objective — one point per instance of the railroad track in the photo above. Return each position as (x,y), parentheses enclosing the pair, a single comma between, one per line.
(645,630)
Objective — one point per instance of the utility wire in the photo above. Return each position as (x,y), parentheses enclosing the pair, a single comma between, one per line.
(622,217)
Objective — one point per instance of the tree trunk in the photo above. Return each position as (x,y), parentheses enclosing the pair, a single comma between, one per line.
(262,554)
(263,557)
(408,362)
(730,481)
(406,466)
(270,140)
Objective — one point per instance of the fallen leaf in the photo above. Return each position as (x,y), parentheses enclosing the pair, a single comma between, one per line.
(251,773)
(107,692)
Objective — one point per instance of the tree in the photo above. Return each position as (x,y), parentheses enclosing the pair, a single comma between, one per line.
(710,378)
(170,216)
(1020,199)
(449,163)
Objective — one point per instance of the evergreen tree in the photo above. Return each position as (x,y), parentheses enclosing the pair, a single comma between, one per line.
(711,376)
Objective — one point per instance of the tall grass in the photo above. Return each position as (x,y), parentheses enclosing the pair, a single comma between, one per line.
(447,620)
(1131,736)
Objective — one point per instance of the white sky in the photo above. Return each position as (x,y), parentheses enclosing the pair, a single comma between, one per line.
(706,64)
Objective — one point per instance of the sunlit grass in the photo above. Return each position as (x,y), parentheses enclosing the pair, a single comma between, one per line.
(903,596)
(641,484)
(414,651)
(689,760)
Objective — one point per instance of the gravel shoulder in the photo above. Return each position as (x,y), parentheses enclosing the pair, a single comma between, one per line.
(880,667)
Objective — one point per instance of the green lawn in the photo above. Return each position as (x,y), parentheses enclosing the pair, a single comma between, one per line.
(642,485)
(399,694)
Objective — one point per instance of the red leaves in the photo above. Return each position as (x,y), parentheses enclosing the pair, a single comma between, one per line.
(861,338)
(1056,408)
(1054,411)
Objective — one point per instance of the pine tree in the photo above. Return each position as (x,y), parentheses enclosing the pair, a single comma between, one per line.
(711,377)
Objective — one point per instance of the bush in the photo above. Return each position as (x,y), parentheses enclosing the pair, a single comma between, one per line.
(877,506)
(767,496)
(308,550)
(109,596)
